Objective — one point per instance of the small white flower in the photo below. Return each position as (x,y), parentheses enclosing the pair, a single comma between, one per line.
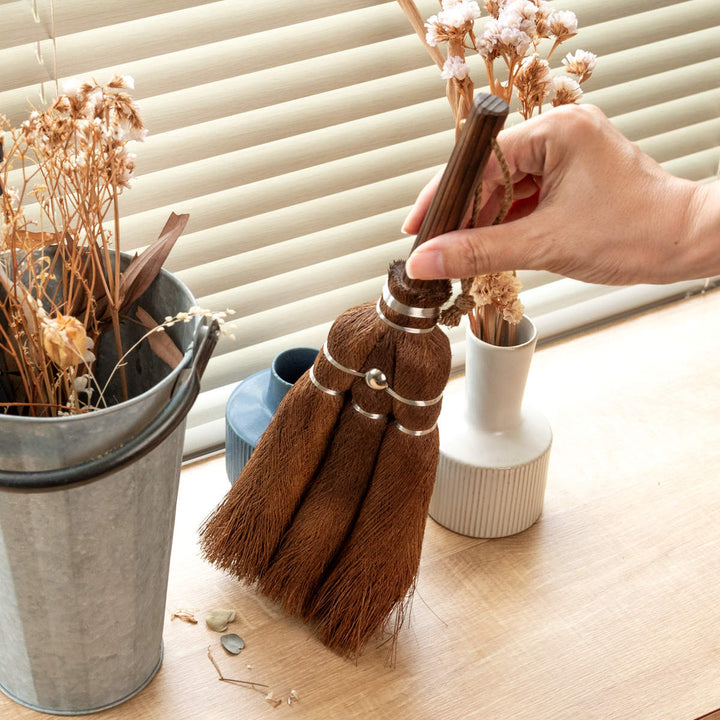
(455,67)
(431,37)
(563,23)
(71,87)
(567,90)
(526,8)
(96,97)
(582,64)
(459,14)
(516,39)
(486,44)
(519,14)
(132,133)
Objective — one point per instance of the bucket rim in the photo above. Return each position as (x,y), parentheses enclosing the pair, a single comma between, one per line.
(154,433)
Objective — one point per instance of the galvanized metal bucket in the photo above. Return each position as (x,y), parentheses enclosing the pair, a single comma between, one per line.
(87,508)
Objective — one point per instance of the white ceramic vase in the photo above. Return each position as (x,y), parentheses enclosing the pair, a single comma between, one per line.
(494,450)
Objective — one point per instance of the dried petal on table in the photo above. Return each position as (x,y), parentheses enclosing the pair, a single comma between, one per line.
(218,620)
(272,700)
(232,643)
(187,616)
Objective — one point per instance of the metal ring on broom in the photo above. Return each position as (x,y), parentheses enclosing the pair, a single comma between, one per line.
(409,310)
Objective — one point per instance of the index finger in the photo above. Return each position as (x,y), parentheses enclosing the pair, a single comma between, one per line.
(413,221)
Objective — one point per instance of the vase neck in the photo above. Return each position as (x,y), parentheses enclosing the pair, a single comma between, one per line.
(495,379)
(286,369)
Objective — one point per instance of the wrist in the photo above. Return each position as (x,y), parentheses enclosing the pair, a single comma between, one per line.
(702,235)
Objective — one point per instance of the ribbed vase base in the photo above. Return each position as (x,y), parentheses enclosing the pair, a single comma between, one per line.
(488,502)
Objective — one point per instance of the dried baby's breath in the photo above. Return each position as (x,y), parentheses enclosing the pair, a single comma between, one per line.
(71,162)
(533,83)
(496,299)
(567,90)
(513,32)
(581,64)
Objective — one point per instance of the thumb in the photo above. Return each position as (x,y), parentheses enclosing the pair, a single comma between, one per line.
(516,245)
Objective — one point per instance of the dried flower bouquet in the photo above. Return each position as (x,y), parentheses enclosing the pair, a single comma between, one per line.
(514,35)
(61,282)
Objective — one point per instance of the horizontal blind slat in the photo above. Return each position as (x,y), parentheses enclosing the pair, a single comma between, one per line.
(306,282)
(301,218)
(286,255)
(217,44)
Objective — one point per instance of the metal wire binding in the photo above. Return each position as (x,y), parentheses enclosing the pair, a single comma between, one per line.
(414,331)
(409,310)
(372,416)
(415,433)
(388,390)
(315,382)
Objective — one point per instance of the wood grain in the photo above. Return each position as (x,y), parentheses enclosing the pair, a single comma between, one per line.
(464,168)
(606,608)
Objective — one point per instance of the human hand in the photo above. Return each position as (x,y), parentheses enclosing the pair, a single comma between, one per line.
(588,204)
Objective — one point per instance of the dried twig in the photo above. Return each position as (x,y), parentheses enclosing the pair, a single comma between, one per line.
(258,687)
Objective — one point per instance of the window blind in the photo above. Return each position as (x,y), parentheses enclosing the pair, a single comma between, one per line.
(297,136)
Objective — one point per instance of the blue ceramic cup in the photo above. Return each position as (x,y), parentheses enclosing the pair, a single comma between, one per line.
(254,401)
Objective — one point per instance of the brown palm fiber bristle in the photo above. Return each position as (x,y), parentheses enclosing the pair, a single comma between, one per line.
(326,515)
(243,533)
(328,511)
(379,562)
(426,294)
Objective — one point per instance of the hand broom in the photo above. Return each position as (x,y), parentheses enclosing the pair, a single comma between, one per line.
(327,518)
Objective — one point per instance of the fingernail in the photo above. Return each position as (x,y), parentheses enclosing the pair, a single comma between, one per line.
(425,265)
(403,227)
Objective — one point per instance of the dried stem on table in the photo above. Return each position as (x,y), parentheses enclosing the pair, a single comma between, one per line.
(258,687)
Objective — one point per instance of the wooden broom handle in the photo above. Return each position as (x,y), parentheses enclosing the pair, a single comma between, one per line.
(465,167)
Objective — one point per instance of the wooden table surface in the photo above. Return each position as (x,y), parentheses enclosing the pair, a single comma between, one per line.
(606,608)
